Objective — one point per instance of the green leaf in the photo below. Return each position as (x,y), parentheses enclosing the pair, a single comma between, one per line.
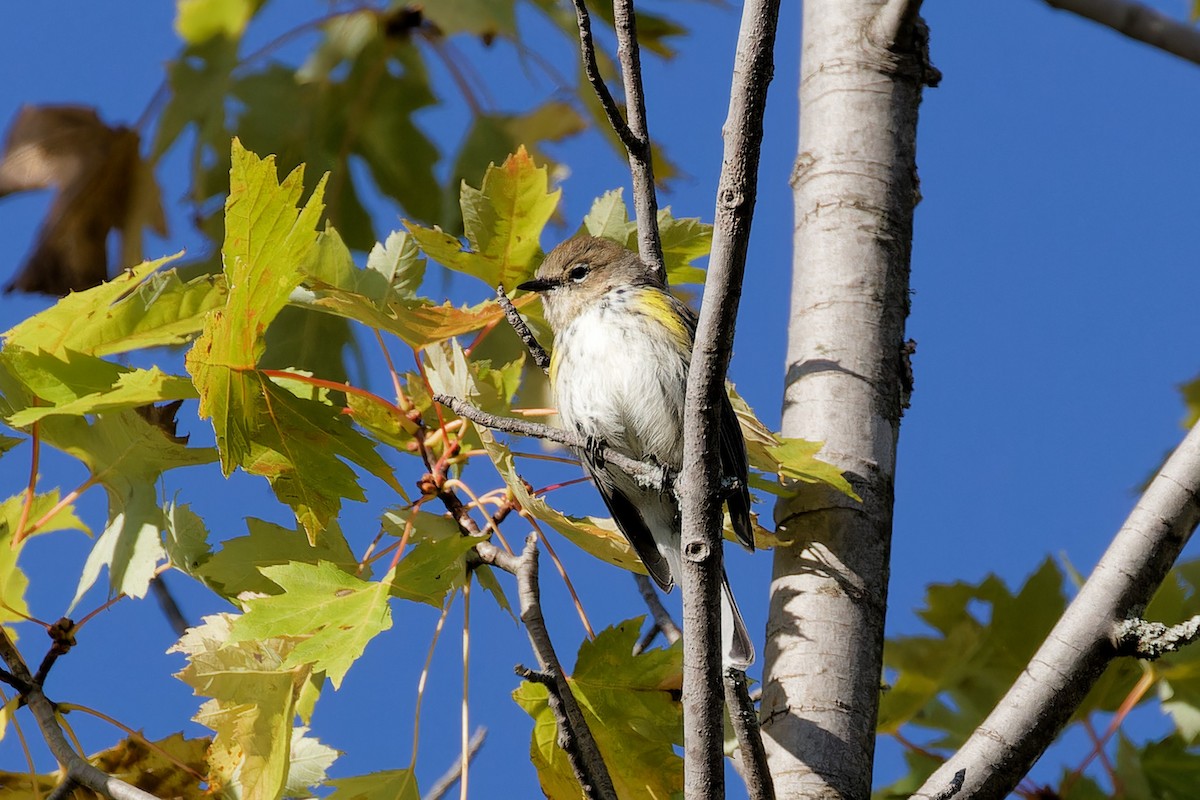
(139,308)
(197,21)
(395,268)
(437,562)
(12,581)
(631,706)
(418,323)
(1164,770)
(236,567)
(299,448)
(492,137)
(127,454)
(8,443)
(331,613)
(266,243)
(502,220)
(683,240)
(797,460)
(486,18)
(950,681)
(76,384)
(254,700)
(309,765)
(186,538)
(393,784)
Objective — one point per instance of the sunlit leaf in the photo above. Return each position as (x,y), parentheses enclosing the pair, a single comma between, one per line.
(12,580)
(330,613)
(141,307)
(254,699)
(502,221)
(236,567)
(197,21)
(631,704)
(394,784)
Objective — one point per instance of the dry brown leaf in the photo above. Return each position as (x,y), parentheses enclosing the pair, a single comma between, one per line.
(103,185)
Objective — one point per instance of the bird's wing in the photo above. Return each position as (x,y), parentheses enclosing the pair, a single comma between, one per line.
(630,523)
(734,465)
(733,454)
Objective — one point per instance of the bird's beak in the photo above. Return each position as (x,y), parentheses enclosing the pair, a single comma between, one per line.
(537,285)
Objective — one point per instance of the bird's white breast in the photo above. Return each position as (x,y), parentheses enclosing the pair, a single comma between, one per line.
(620,376)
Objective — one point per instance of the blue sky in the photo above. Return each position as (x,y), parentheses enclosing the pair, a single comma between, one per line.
(1054,281)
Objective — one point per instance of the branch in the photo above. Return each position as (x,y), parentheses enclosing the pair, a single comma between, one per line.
(447,781)
(650,476)
(574,736)
(700,480)
(662,618)
(1091,633)
(518,324)
(1153,640)
(1138,22)
(744,717)
(78,769)
(633,134)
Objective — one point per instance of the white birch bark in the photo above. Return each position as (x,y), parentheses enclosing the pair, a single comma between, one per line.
(855,188)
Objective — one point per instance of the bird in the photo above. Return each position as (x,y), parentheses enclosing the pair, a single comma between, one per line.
(619,370)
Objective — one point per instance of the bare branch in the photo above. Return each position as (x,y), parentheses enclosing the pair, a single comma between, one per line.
(1139,22)
(446,782)
(633,134)
(574,736)
(641,163)
(648,475)
(662,618)
(540,357)
(744,717)
(1153,640)
(78,769)
(700,480)
(1085,639)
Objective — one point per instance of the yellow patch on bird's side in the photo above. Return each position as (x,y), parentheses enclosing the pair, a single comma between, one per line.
(554,365)
(658,306)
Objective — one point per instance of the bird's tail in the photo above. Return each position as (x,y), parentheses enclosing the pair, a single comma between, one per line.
(738,647)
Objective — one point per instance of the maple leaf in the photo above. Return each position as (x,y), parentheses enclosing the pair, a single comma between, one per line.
(103,185)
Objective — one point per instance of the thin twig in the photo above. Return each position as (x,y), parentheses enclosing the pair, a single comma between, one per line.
(641,163)
(574,736)
(651,476)
(744,717)
(445,783)
(78,769)
(540,357)
(658,612)
(1153,640)
(633,134)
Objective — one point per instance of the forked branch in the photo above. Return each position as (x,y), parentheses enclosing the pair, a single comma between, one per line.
(1091,633)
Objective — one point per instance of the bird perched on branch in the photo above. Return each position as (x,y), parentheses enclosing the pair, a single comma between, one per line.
(622,348)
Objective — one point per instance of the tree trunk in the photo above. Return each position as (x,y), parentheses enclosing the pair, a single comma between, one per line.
(863,65)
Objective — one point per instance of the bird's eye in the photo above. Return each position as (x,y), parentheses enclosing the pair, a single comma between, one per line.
(578,272)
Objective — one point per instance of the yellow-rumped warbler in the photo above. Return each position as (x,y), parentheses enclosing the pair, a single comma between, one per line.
(622,348)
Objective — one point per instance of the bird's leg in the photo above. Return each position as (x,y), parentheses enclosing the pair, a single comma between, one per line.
(593,449)
(664,480)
